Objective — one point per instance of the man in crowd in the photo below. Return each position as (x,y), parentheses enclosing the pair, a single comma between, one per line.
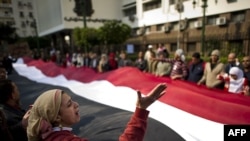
(16,117)
(212,69)
(246,68)
(196,68)
(3,73)
(232,62)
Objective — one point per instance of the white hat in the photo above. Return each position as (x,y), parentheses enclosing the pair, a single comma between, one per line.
(216,52)
(150,46)
(180,53)
(236,71)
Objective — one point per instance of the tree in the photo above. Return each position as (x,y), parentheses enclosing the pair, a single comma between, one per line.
(114,32)
(7,33)
(85,37)
(32,41)
(83,6)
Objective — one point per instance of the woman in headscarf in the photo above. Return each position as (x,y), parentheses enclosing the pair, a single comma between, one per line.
(235,81)
(54,112)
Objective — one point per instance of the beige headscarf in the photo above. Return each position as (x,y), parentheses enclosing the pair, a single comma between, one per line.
(43,113)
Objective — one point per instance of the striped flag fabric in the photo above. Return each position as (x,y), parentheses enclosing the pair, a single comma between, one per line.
(196,113)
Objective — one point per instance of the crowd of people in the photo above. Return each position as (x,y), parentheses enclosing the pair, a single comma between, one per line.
(54,112)
(232,76)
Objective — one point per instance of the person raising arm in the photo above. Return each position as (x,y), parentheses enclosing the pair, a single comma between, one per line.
(54,112)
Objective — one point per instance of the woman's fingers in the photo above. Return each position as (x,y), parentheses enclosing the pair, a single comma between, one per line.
(138,94)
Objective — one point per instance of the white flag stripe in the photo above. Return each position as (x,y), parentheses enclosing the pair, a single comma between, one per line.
(190,127)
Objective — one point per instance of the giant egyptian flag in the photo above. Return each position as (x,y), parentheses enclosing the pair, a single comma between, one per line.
(194,112)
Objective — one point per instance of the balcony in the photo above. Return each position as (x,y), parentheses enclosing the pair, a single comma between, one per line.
(5,5)
(6,15)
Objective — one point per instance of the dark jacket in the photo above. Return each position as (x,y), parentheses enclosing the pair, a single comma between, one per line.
(229,66)
(195,71)
(14,118)
(4,131)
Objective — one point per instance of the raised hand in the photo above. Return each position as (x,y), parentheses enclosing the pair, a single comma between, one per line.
(151,97)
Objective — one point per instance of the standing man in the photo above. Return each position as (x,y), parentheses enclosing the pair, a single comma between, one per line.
(246,67)
(212,69)
(246,71)
(196,68)
(232,62)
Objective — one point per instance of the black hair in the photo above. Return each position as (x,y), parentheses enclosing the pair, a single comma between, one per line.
(6,89)
(196,55)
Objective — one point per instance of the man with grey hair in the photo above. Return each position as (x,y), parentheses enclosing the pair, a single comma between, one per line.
(232,62)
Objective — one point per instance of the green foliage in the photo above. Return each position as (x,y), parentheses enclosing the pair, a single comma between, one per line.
(133,56)
(7,33)
(77,37)
(114,32)
(85,37)
(33,41)
(225,47)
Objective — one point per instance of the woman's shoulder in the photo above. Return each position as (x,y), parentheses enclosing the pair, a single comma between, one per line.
(63,135)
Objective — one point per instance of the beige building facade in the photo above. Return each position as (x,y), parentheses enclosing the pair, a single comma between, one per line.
(20,15)
(175,23)
(227,24)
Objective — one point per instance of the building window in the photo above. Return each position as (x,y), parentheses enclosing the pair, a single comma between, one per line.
(173,47)
(129,11)
(29,5)
(211,20)
(6,1)
(175,26)
(10,23)
(20,4)
(21,14)
(6,13)
(151,5)
(191,23)
(159,27)
(23,24)
(238,16)
(171,2)
(33,24)
(191,47)
(31,15)
(148,29)
(230,1)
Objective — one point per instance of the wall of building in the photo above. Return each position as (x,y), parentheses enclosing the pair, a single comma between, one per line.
(10,13)
(167,13)
(52,14)
(6,12)
(230,34)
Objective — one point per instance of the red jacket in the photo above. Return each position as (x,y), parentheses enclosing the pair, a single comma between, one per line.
(134,131)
